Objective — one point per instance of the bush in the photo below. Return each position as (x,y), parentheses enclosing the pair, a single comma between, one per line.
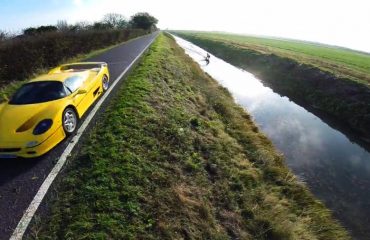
(22,57)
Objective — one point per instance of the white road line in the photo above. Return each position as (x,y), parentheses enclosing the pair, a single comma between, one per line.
(29,213)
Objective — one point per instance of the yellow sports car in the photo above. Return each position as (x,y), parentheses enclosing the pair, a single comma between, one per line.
(45,110)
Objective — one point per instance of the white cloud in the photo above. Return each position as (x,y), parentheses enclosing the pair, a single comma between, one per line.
(77,2)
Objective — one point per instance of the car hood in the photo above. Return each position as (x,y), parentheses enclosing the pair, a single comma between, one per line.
(22,118)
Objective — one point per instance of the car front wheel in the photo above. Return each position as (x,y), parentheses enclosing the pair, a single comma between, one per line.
(70,121)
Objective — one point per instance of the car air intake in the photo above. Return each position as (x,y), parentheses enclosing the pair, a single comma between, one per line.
(8,150)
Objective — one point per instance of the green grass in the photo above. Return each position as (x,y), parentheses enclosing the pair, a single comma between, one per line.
(340,61)
(173,157)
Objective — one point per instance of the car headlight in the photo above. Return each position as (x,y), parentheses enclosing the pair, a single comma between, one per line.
(32,144)
(42,126)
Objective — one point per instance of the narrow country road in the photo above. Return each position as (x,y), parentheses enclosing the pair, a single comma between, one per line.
(20,179)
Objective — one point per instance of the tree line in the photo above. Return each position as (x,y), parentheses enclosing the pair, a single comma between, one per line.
(110,21)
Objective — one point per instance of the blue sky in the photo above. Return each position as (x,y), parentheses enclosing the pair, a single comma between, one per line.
(18,14)
(337,22)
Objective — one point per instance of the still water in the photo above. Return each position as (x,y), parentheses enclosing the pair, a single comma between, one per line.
(336,169)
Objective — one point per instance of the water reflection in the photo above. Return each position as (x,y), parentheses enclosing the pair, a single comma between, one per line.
(336,170)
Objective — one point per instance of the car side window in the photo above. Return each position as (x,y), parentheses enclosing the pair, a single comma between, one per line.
(73,83)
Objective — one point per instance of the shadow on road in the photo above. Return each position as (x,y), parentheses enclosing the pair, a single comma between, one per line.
(11,168)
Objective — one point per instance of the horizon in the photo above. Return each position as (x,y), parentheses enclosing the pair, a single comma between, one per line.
(334,23)
(274,37)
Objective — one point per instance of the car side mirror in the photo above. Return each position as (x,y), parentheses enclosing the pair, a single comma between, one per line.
(81,91)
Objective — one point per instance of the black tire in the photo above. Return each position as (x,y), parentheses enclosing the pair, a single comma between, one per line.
(69,121)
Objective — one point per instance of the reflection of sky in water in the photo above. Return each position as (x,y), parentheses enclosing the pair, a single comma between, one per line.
(337,170)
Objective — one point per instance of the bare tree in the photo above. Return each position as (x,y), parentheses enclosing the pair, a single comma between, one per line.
(63,26)
(83,25)
(3,35)
(115,20)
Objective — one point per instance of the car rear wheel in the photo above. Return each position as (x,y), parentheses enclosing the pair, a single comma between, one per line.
(70,121)
(105,83)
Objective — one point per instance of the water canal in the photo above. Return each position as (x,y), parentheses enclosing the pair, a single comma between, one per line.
(336,170)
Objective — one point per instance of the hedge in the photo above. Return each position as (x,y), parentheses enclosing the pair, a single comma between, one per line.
(22,57)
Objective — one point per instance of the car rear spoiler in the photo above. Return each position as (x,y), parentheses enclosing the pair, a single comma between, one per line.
(80,66)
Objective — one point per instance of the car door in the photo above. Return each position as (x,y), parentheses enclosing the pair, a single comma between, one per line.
(77,86)
(92,87)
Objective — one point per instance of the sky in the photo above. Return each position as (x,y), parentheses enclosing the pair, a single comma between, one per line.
(338,22)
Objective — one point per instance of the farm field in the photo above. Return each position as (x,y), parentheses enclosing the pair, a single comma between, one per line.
(340,61)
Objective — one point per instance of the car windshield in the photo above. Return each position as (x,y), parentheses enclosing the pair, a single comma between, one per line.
(38,92)
(80,67)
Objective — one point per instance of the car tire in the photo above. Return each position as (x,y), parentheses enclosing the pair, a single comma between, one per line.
(105,83)
(69,121)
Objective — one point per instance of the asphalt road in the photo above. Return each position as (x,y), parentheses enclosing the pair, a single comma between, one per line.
(20,179)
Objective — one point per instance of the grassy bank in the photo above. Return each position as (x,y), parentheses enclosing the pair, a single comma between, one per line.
(174,157)
(332,80)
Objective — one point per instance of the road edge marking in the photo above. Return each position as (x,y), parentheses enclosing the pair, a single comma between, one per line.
(32,208)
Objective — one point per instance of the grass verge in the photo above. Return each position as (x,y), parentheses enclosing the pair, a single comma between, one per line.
(175,158)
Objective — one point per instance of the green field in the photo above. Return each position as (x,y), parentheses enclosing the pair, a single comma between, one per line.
(173,157)
(340,61)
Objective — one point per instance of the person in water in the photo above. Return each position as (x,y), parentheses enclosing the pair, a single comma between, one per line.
(207,58)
